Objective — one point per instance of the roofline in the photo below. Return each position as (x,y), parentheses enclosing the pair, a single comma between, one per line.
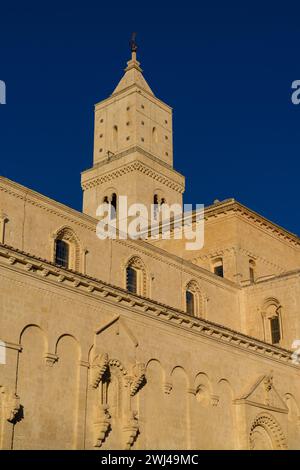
(229,204)
(91,221)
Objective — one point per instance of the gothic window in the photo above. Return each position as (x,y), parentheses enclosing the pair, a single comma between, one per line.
(218,267)
(275,329)
(112,201)
(272,321)
(194,300)
(67,250)
(62,253)
(131,279)
(156,208)
(113,205)
(190,302)
(157,202)
(136,276)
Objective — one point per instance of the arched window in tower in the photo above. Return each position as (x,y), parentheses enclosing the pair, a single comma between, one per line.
(136,276)
(194,299)
(62,253)
(252,271)
(218,268)
(275,329)
(154,135)
(131,279)
(271,312)
(155,208)
(113,206)
(115,138)
(190,302)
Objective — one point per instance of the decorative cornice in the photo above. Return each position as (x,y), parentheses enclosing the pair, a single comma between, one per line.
(49,205)
(236,249)
(141,306)
(230,206)
(130,150)
(260,282)
(129,168)
(87,222)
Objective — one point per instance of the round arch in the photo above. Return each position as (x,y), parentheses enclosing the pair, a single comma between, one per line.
(273,436)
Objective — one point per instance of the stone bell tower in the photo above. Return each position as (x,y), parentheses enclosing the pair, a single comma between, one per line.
(133,148)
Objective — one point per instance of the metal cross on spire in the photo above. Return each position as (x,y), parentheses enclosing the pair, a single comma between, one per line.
(133,45)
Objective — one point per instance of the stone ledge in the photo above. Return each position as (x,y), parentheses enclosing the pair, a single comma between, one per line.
(175,317)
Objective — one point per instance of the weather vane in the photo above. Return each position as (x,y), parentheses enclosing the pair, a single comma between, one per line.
(133,44)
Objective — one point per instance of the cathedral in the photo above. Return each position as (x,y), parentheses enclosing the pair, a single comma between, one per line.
(139,343)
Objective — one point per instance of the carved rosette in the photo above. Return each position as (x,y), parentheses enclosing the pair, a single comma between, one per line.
(102,425)
(99,366)
(138,379)
(130,430)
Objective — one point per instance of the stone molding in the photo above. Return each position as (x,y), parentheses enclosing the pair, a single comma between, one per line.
(270,424)
(88,222)
(142,306)
(128,151)
(129,168)
(234,207)
(232,249)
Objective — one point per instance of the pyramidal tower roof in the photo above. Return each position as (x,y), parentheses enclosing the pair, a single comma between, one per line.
(133,77)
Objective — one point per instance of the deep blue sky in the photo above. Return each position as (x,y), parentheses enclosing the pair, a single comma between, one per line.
(225,67)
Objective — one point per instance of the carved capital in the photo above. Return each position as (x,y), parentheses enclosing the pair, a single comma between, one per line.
(167,388)
(50,359)
(98,367)
(214,400)
(139,378)
(3,217)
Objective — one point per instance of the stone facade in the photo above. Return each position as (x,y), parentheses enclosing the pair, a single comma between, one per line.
(93,365)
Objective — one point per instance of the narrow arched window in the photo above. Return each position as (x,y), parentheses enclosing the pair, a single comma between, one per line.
(275,329)
(113,205)
(272,317)
(193,302)
(156,208)
(190,302)
(218,267)
(115,137)
(154,135)
(62,253)
(136,276)
(131,279)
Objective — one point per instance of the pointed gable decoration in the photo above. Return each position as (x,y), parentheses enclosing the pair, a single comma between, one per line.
(263,394)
